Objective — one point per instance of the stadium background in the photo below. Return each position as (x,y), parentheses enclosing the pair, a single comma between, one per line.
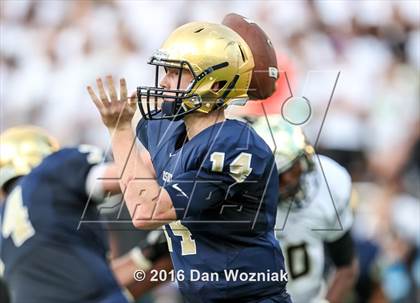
(50,51)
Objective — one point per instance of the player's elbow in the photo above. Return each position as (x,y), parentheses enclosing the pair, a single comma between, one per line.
(143,224)
(154,220)
(147,224)
(149,211)
(142,216)
(148,216)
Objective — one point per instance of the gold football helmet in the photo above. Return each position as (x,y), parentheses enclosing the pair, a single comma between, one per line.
(213,53)
(21,149)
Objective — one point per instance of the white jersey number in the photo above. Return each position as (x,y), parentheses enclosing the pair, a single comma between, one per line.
(16,221)
(239,169)
(298,260)
(188,246)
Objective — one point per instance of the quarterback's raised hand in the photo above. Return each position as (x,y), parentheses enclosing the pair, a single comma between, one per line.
(116,113)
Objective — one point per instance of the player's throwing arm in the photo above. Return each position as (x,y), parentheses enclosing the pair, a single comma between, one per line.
(149,205)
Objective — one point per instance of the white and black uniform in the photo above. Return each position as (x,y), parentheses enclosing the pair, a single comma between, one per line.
(303,231)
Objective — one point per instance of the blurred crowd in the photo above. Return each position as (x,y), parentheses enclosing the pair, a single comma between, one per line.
(51,50)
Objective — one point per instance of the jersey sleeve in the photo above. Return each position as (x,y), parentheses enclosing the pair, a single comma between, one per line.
(74,165)
(218,178)
(151,133)
(340,219)
(195,191)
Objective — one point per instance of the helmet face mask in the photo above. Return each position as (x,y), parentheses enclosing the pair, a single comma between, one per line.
(219,62)
(156,103)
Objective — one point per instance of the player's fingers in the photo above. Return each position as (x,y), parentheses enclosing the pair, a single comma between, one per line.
(102,94)
(94,98)
(123,89)
(133,99)
(111,87)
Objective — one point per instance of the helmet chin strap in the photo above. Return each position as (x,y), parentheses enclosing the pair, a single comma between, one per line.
(171,110)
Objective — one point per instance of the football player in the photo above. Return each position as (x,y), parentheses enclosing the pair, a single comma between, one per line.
(313,214)
(212,182)
(45,258)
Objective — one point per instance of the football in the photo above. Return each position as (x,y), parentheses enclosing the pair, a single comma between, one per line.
(265,74)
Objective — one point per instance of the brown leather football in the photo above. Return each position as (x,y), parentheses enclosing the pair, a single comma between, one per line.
(265,73)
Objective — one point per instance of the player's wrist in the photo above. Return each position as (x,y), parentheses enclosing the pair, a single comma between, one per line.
(122,126)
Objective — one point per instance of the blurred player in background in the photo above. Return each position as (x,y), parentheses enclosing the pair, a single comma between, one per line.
(64,181)
(212,178)
(44,257)
(313,214)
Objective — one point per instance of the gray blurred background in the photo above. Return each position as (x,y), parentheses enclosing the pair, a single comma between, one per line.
(50,50)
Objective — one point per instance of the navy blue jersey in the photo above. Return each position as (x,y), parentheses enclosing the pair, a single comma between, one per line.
(224,187)
(46,257)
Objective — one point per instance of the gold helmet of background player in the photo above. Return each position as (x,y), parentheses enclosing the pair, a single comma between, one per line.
(213,53)
(287,142)
(21,149)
